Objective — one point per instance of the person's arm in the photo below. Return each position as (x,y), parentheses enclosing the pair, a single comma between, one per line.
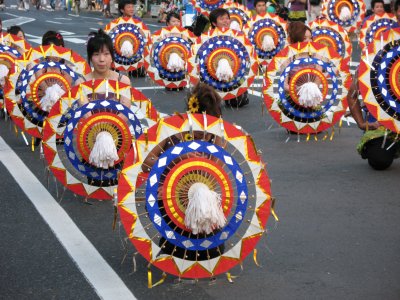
(355,107)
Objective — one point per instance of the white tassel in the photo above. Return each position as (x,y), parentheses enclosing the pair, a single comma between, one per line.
(175,63)
(345,14)
(235,26)
(127,49)
(309,95)
(224,70)
(51,96)
(3,74)
(204,211)
(104,153)
(268,43)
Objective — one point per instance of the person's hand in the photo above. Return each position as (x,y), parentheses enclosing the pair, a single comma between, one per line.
(369,126)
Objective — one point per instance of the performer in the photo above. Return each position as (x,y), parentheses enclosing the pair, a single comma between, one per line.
(220,18)
(370,146)
(100,55)
(126,9)
(16,30)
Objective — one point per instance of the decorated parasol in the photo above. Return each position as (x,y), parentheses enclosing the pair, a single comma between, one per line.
(239,14)
(86,121)
(267,33)
(130,37)
(42,78)
(331,35)
(206,6)
(306,87)
(379,79)
(347,13)
(11,48)
(226,60)
(191,162)
(166,58)
(374,26)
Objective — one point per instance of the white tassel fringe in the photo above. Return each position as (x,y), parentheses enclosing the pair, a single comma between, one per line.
(235,26)
(51,96)
(268,43)
(224,70)
(345,14)
(175,63)
(3,74)
(309,95)
(104,153)
(127,49)
(204,212)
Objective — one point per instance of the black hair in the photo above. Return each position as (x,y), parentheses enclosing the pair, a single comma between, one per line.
(122,3)
(171,15)
(53,37)
(396,5)
(256,1)
(96,42)
(373,2)
(215,14)
(209,100)
(15,29)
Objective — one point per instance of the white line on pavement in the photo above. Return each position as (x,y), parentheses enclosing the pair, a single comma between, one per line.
(53,22)
(149,88)
(17,21)
(99,274)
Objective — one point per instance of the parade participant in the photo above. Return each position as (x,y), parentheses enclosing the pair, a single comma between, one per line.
(371,145)
(220,18)
(397,11)
(173,19)
(127,9)
(260,7)
(298,32)
(53,37)
(16,30)
(100,56)
(377,7)
(297,10)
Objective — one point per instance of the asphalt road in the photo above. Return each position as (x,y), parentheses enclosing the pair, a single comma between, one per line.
(338,235)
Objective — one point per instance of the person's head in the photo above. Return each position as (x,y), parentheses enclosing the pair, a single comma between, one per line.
(100,51)
(260,6)
(378,7)
(299,32)
(126,8)
(173,19)
(220,18)
(397,10)
(204,98)
(52,37)
(16,30)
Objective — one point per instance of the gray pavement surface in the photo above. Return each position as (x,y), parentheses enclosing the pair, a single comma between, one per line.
(338,235)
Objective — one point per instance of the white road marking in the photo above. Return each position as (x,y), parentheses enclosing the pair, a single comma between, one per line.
(53,22)
(75,40)
(17,21)
(255,93)
(64,33)
(149,88)
(99,274)
(68,19)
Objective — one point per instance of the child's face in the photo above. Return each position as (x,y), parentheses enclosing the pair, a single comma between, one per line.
(102,60)
(261,7)
(174,22)
(378,8)
(223,22)
(128,11)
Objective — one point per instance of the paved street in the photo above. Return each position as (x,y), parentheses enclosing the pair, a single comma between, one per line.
(338,236)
